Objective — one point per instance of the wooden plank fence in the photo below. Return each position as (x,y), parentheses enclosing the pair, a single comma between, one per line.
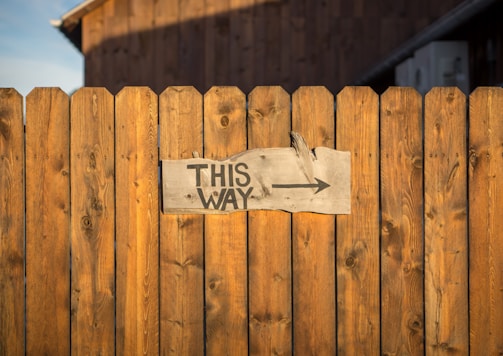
(90,265)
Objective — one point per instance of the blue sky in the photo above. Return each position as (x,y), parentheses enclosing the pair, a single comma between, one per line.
(32,52)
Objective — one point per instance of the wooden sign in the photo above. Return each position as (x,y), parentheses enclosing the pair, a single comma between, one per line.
(293,179)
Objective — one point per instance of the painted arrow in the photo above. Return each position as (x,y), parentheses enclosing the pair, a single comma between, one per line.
(319,184)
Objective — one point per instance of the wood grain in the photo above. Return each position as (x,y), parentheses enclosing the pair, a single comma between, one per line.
(402,319)
(225,235)
(313,245)
(293,179)
(222,34)
(137,220)
(166,60)
(269,252)
(140,38)
(357,264)
(113,72)
(91,40)
(12,207)
(47,222)
(445,219)
(485,224)
(297,43)
(191,39)
(242,60)
(92,222)
(181,236)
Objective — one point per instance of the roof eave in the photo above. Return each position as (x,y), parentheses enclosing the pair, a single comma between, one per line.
(70,23)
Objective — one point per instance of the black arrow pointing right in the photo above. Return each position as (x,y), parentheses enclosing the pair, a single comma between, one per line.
(319,184)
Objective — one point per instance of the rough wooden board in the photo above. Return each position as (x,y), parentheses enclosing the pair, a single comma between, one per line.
(401,161)
(12,207)
(357,265)
(313,239)
(181,236)
(445,222)
(269,253)
(137,219)
(260,179)
(225,245)
(485,224)
(92,222)
(47,222)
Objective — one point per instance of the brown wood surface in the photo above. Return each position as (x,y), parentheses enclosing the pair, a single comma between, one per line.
(108,14)
(137,220)
(486,225)
(141,42)
(297,43)
(269,250)
(181,236)
(166,58)
(225,235)
(402,319)
(242,60)
(313,245)
(114,71)
(12,205)
(445,219)
(209,46)
(273,44)
(248,42)
(47,222)
(258,53)
(94,62)
(92,222)
(285,66)
(357,263)
(221,19)
(191,39)
(249,285)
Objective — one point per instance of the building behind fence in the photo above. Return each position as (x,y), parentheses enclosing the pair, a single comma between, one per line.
(89,264)
(291,43)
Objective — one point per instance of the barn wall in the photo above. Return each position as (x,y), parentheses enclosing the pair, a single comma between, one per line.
(245,42)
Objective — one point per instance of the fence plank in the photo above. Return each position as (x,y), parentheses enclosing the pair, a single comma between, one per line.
(269,251)
(92,222)
(402,320)
(313,246)
(181,236)
(446,288)
(225,235)
(11,223)
(137,207)
(47,223)
(358,233)
(486,225)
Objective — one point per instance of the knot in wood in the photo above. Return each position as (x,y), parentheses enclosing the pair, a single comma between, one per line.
(86,222)
(224,121)
(350,262)
(415,324)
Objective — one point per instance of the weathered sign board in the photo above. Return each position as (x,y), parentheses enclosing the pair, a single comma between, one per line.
(294,179)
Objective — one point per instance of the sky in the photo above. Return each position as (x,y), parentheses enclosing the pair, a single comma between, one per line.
(33,53)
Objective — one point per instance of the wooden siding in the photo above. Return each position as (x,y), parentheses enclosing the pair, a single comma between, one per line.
(245,43)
